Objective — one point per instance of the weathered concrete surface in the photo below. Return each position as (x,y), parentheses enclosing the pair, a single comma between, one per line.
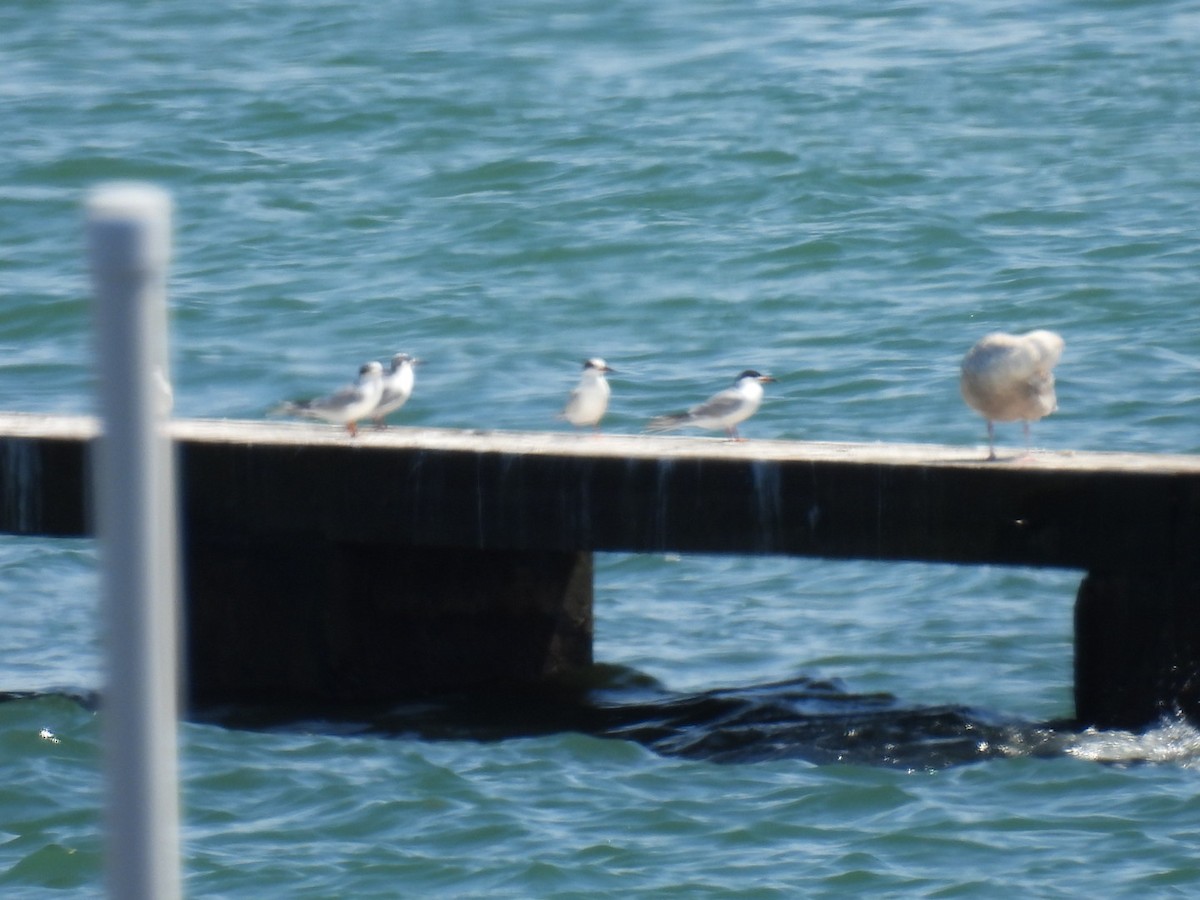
(636,493)
(559,491)
(274,512)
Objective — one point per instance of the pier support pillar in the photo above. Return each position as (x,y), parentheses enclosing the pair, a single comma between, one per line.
(1137,649)
(308,621)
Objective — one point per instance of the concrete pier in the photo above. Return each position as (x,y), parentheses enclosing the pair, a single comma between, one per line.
(304,581)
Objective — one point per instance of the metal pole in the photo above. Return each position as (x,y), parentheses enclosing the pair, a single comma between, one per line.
(128,230)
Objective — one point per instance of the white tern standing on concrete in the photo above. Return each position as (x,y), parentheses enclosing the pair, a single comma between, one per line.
(397,387)
(346,406)
(724,410)
(589,400)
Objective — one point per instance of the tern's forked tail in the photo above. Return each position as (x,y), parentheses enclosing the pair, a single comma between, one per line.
(668,422)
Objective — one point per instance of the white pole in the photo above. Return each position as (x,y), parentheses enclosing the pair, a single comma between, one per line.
(129,243)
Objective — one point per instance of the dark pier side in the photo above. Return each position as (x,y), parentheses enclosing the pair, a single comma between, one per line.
(324,567)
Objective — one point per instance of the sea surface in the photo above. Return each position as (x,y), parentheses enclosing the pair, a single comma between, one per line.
(846,196)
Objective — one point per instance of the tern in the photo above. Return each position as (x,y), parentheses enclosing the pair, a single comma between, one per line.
(1006,377)
(397,387)
(589,400)
(723,410)
(345,406)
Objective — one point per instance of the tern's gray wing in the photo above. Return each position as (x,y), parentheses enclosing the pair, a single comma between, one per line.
(719,405)
(351,393)
(391,399)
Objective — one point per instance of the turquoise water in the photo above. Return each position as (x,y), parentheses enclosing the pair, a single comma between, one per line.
(845,197)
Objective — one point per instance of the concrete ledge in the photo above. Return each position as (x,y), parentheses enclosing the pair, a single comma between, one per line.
(561,491)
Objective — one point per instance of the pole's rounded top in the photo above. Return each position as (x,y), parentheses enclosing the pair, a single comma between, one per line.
(126,200)
(129,228)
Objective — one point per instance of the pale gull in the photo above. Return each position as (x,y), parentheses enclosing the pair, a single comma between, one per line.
(1006,377)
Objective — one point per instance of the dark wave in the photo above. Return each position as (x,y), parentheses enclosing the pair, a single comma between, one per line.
(803,719)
